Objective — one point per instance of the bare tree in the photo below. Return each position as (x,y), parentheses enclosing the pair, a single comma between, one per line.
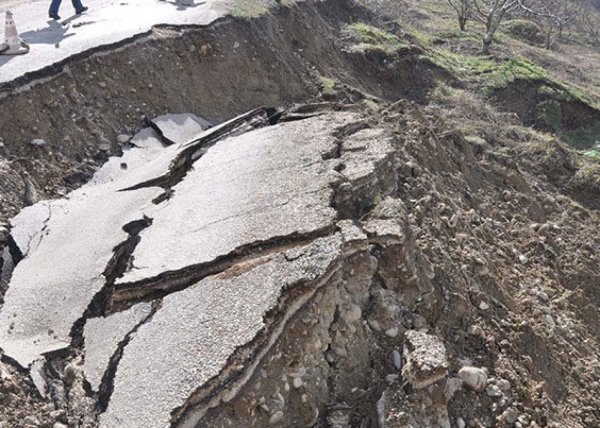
(462,9)
(588,21)
(491,13)
(554,16)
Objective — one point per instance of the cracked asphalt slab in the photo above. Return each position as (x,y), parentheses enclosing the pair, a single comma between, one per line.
(208,323)
(250,226)
(180,128)
(264,184)
(53,286)
(103,336)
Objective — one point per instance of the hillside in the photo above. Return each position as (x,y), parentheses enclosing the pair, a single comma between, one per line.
(333,213)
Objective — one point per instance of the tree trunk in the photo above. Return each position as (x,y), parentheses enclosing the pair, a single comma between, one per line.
(487,42)
(489,35)
(462,23)
(549,39)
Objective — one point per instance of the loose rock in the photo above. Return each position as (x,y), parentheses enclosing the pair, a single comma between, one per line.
(475,378)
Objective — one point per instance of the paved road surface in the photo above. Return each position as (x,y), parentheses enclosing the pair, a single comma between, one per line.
(106,22)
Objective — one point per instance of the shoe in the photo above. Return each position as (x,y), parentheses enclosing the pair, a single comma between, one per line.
(80,11)
(54,16)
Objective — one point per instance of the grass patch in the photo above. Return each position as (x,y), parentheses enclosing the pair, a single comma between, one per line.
(509,71)
(327,85)
(255,8)
(370,37)
(464,67)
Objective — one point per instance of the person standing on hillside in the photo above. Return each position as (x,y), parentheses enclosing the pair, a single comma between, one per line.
(55,5)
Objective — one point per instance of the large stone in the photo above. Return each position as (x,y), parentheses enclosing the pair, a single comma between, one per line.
(474,377)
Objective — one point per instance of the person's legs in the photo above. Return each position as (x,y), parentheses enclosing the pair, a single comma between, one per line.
(54,7)
(77,5)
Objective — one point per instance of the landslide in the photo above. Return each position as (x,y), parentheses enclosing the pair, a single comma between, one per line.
(503,219)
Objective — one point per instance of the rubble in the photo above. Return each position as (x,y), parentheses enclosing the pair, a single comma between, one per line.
(425,358)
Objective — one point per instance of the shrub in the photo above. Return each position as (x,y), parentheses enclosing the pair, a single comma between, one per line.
(525,30)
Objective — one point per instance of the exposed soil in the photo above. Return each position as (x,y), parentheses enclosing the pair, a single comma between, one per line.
(533,106)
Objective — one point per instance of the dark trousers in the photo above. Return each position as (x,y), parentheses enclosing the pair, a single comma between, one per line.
(55,5)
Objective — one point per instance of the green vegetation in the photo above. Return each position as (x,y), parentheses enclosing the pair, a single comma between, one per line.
(255,8)
(511,70)
(369,37)
(327,85)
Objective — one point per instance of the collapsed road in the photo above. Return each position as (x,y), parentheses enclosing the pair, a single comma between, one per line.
(382,249)
(204,247)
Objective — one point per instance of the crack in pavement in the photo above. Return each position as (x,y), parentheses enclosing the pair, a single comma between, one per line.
(173,281)
(119,262)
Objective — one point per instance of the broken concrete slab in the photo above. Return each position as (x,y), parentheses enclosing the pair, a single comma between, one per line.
(174,159)
(367,165)
(425,357)
(54,285)
(28,226)
(147,146)
(251,203)
(85,230)
(365,152)
(260,186)
(217,331)
(180,128)
(102,337)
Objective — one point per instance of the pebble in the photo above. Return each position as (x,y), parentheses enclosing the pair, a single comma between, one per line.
(543,297)
(297,382)
(493,391)
(59,425)
(475,378)
(31,420)
(510,416)
(351,313)
(523,420)
(392,332)
(276,417)
(397,359)
(504,385)
(123,138)
(475,330)
(104,147)
(484,306)
(38,142)
(460,423)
